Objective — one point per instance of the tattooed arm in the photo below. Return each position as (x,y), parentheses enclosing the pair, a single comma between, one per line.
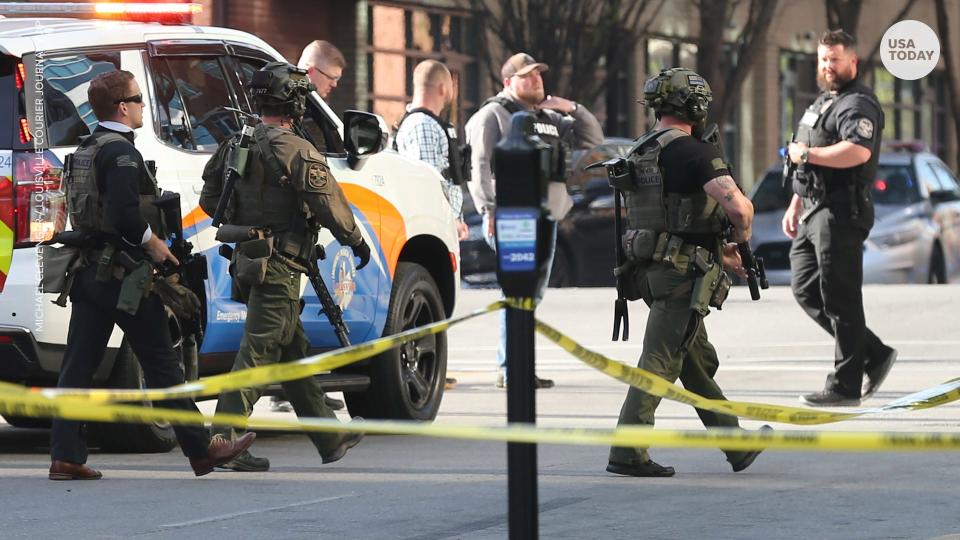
(738,207)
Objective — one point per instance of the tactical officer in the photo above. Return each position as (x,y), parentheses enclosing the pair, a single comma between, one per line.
(110,193)
(679,195)
(832,165)
(558,122)
(286,195)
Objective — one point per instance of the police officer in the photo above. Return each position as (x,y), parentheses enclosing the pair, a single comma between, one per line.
(287,193)
(558,121)
(834,161)
(678,195)
(110,192)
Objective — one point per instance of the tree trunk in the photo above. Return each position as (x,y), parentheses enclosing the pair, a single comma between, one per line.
(953,84)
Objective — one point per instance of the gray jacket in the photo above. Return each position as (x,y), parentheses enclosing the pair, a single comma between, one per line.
(489,125)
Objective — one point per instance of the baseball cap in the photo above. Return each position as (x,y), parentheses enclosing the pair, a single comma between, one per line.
(521,64)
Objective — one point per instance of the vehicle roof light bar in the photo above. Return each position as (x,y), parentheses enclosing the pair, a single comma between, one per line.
(100,8)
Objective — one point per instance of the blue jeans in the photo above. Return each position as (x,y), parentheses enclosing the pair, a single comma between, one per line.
(491,241)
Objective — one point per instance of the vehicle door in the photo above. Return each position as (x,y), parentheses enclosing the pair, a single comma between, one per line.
(357,293)
(191,86)
(947,201)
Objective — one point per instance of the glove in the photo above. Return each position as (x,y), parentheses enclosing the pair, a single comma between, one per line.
(361,250)
(181,300)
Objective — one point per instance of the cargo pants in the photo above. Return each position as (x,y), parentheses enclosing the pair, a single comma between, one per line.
(675,344)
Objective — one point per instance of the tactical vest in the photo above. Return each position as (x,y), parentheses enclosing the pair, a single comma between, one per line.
(458,155)
(649,206)
(828,185)
(264,197)
(84,200)
(543,126)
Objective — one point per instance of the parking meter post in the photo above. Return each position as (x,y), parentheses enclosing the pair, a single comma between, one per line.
(524,244)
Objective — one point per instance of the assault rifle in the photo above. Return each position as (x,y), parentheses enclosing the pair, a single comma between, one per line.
(327,304)
(193,266)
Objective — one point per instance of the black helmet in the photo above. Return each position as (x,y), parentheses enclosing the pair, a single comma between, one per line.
(678,92)
(282,87)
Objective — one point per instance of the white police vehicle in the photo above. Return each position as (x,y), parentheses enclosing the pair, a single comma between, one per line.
(189,75)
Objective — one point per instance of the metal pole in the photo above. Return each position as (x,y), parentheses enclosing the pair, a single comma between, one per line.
(521,407)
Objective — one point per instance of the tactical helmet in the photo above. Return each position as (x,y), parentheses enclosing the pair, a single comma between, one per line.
(678,92)
(281,86)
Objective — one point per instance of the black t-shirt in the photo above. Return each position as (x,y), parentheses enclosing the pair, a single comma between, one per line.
(688,164)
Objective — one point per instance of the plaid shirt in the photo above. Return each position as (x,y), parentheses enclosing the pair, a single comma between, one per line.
(421,137)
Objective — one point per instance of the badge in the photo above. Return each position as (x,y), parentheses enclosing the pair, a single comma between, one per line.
(809,118)
(317,177)
(865,128)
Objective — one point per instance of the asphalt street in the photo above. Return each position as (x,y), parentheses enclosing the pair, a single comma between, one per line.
(415,488)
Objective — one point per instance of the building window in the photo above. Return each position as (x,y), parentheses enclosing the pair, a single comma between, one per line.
(798,89)
(913,110)
(401,37)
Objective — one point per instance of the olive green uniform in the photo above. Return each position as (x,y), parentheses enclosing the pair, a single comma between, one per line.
(673,245)
(293,195)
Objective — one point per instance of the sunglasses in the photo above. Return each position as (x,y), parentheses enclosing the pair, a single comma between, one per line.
(334,79)
(132,99)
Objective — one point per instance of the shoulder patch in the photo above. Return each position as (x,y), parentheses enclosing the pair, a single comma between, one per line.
(317,176)
(718,164)
(865,128)
(125,161)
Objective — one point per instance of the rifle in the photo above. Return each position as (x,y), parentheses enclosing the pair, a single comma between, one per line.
(789,167)
(327,305)
(756,272)
(193,266)
(618,169)
(237,165)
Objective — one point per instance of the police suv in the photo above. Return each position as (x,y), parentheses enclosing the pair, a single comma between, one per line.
(191,77)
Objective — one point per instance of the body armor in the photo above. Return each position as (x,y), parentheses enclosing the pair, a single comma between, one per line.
(84,201)
(264,198)
(543,126)
(649,206)
(458,155)
(842,188)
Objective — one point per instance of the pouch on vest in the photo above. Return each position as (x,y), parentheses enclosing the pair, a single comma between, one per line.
(628,281)
(721,292)
(59,266)
(249,265)
(639,244)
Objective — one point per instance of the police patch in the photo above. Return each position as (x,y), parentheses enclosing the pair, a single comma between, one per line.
(865,128)
(317,177)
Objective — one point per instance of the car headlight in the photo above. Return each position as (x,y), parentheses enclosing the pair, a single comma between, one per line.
(886,239)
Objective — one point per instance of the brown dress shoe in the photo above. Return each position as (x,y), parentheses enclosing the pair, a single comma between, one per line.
(64,470)
(221,451)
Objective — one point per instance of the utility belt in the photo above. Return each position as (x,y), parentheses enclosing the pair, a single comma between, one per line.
(135,275)
(255,246)
(645,246)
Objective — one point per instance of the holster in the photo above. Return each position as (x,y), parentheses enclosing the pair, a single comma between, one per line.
(249,264)
(59,266)
(137,283)
(710,290)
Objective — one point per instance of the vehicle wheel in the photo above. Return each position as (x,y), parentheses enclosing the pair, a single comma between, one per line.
(562,274)
(27,422)
(407,382)
(938,271)
(132,438)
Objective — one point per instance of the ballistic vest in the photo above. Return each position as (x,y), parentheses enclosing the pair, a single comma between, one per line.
(829,185)
(458,155)
(84,200)
(649,206)
(264,196)
(543,126)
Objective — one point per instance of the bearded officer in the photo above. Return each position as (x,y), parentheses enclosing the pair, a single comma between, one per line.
(676,193)
(287,193)
(830,216)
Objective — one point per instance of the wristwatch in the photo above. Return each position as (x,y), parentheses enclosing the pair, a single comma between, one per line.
(805,156)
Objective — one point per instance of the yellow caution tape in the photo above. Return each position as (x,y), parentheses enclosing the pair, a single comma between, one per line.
(657,386)
(261,375)
(72,408)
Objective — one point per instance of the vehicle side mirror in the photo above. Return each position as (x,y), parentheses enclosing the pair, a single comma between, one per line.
(942,196)
(363,135)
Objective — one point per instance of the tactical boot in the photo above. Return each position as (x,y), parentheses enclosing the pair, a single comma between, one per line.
(247,462)
(750,456)
(829,398)
(875,375)
(647,469)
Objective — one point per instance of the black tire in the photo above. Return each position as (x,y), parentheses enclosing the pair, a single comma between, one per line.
(131,438)
(28,422)
(407,382)
(562,274)
(937,274)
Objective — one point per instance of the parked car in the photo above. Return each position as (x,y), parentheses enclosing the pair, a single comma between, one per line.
(585,240)
(916,235)
(189,75)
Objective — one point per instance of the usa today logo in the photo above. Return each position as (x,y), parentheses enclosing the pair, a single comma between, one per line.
(910,50)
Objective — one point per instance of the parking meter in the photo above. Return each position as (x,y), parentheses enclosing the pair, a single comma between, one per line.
(524,165)
(525,233)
